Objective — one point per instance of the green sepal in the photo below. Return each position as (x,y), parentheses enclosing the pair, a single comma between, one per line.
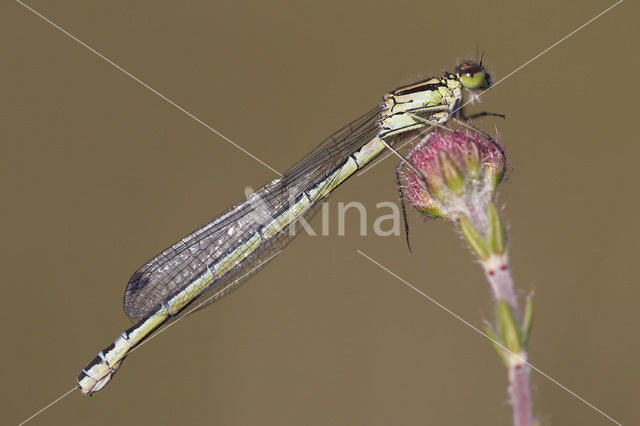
(495,342)
(497,236)
(528,321)
(450,174)
(473,237)
(509,330)
(432,212)
(472,161)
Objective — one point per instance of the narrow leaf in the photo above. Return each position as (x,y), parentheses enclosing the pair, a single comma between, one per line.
(508,328)
(474,239)
(497,236)
(528,320)
(495,342)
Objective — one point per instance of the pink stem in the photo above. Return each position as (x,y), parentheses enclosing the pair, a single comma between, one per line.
(498,274)
(520,394)
(502,286)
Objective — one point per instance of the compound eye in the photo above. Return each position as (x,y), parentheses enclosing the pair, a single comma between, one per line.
(472,76)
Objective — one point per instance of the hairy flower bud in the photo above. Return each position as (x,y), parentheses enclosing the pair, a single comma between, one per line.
(454,174)
(459,172)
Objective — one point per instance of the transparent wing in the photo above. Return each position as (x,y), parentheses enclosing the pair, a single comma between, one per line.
(249,267)
(173,269)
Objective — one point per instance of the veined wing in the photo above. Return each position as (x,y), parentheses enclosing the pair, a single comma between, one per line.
(174,268)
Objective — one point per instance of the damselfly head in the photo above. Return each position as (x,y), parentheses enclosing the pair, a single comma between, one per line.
(473,76)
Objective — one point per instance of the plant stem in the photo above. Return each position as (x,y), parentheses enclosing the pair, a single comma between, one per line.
(519,373)
(501,281)
(483,230)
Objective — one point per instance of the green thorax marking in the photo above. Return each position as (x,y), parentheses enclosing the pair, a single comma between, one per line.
(435,99)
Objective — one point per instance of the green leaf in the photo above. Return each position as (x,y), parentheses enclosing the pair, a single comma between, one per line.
(509,330)
(473,237)
(497,238)
(495,342)
(528,320)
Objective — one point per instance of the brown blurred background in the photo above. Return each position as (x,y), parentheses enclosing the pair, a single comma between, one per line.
(98,174)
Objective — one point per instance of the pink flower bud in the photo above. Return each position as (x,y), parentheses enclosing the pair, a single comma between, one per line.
(461,168)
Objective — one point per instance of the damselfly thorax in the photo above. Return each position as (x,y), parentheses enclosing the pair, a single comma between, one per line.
(436,99)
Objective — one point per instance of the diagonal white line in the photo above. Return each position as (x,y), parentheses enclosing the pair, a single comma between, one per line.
(149,87)
(64,395)
(501,80)
(277,172)
(477,330)
(553,45)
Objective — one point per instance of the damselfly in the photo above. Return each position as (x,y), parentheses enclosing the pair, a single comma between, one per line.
(218,255)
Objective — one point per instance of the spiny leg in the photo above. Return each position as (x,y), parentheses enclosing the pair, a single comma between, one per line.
(459,113)
(470,127)
(430,122)
(403,160)
(483,114)
(457,121)
(404,210)
(460,123)
(483,134)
